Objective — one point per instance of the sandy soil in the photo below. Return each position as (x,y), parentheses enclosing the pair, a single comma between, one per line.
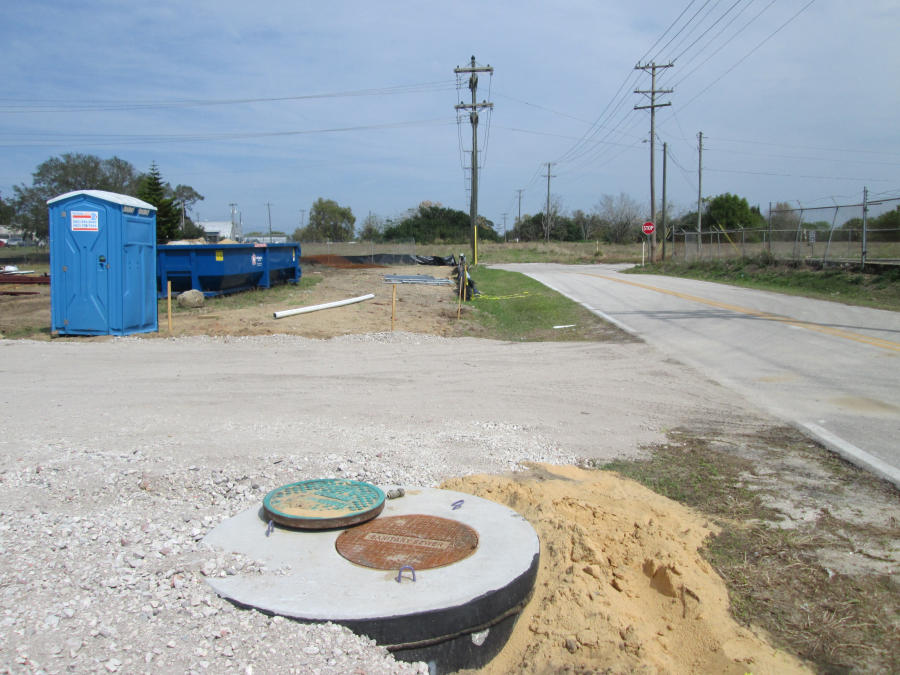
(621,587)
(416,308)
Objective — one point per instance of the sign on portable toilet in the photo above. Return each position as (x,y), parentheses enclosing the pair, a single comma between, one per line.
(102,264)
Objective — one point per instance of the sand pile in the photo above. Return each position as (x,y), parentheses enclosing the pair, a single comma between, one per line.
(622,586)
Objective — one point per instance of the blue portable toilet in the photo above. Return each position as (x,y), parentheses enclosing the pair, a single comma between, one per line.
(102,264)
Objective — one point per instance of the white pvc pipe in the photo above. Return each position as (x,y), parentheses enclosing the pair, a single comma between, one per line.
(327,305)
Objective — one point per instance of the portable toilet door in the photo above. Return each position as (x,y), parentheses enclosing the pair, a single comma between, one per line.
(102,264)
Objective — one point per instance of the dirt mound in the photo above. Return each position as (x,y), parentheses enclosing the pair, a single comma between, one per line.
(337,261)
(622,586)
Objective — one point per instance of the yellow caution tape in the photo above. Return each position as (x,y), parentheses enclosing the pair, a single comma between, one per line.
(500,297)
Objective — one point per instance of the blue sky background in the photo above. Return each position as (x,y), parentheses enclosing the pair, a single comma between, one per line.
(797,101)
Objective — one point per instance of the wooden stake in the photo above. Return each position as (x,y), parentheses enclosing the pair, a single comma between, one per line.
(393,305)
(460,294)
(169,304)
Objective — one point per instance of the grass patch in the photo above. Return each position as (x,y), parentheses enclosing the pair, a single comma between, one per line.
(515,307)
(843,624)
(25,332)
(840,623)
(24,255)
(493,252)
(570,253)
(688,471)
(876,287)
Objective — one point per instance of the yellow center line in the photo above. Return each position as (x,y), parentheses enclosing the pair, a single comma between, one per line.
(835,332)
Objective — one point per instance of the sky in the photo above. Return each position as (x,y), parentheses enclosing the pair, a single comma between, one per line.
(281,103)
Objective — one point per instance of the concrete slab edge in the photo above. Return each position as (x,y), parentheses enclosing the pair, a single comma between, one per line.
(850,452)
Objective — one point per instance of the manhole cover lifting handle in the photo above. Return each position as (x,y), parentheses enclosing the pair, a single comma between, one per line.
(400,573)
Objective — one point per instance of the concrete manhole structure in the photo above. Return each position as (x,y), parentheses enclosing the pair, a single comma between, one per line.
(439,576)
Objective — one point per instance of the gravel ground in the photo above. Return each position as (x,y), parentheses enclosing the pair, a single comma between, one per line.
(118,456)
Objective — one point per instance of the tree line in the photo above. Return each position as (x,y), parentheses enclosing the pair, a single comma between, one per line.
(615,219)
(27,209)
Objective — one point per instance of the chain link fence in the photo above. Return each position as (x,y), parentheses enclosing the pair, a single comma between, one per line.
(827,234)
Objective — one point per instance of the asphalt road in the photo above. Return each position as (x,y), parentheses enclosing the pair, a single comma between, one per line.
(830,369)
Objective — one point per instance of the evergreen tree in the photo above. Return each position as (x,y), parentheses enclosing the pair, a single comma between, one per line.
(153,191)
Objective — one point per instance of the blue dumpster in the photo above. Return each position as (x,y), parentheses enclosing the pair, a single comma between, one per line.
(217,269)
(102,264)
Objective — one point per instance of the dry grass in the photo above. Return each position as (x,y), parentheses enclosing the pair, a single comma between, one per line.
(840,622)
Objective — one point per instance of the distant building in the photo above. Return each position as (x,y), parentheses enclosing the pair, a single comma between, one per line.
(217,230)
(266,239)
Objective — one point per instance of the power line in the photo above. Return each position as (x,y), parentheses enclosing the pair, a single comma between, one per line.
(750,53)
(696,25)
(795,175)
(680,30)
(803,147)
(544,108)
(659,39)
(805,157)
(66,106)
(135,139)
(727,41)
(574,138)
(607,113)
(711,26)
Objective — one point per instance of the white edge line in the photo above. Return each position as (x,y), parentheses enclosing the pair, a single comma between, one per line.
(592,310)
(851,453)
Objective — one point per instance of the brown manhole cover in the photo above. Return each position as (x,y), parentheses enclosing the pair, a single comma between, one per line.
(422,542)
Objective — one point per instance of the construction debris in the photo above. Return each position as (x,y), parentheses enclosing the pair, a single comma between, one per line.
(23,278)
(327,305)
(416,279)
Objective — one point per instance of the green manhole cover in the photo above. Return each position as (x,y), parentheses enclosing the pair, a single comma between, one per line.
(323,503)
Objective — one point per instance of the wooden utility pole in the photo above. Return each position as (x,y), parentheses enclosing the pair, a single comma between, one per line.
(269,211)
(473,109)
(865,217)
(663,219)
(519,219)
(652,92)
(699,193)
(547,222)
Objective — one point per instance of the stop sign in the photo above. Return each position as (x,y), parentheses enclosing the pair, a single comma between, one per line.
(648,227)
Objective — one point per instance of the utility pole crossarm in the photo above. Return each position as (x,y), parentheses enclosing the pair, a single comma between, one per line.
(473,106)
(648,107)
(473,69)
